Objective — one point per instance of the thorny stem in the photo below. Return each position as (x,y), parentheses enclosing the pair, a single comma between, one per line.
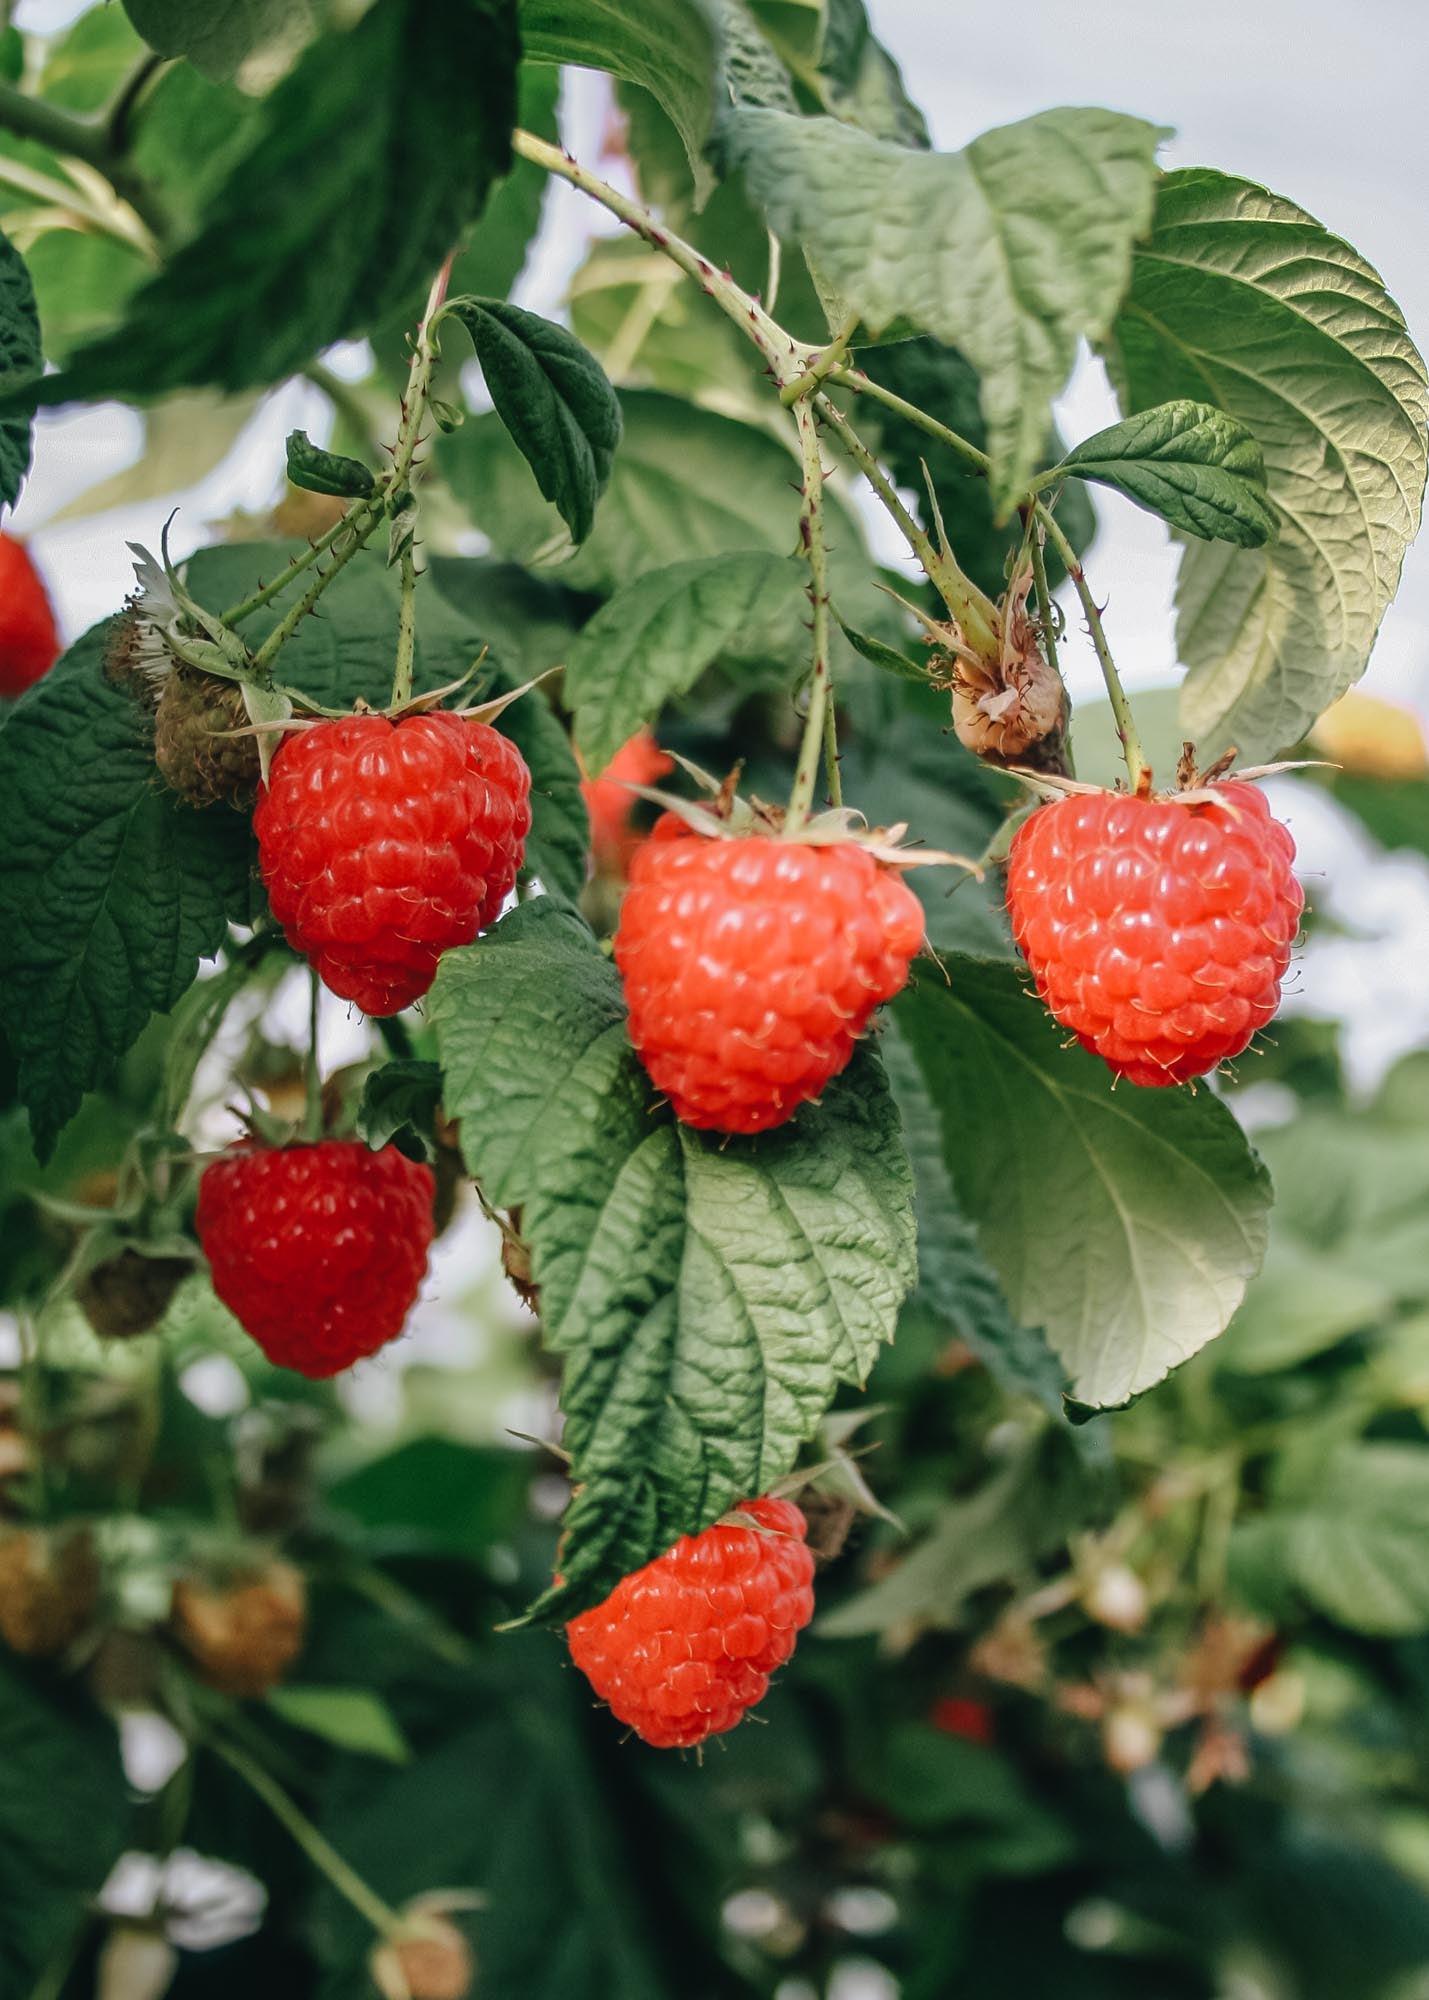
(406,632)
(77,138)
(419,379)
(359,522)
(1138,771)
(821,367)
(854,378)
(1045,615)
(343,1877)
(819,718)
(236,613)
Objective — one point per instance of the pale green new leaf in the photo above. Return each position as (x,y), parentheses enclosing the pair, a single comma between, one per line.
(1358,1547)
(351,1718)
(1193,465)
(654,639)
(553,397)
(1125,1223)
(708,1296)
(185,438)
(667,46)
(1240,299)
(1011,250)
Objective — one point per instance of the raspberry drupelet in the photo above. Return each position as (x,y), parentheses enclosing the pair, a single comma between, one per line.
(684,1648)
(1158,929)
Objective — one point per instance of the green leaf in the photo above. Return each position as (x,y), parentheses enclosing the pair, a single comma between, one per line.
(888,657)
(370,158)
(319,471)
(434,1493)
(347,654)
(553,397)
(64,1819)
(1126,1224)
(1242,300)
(1031,252)
(20,362)
(1357,1547)
(224,37)
(707,1295)
(955,1280)
(349,1718)
(865,83)
(655,638)
(1190,463)
(399,1103)
(497,248)
(113,888)
(1300,1304)
(666,46)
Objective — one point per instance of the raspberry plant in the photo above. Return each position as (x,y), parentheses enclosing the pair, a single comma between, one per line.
(687,875)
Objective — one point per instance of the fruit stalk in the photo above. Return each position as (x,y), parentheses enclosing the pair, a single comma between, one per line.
(245,607)
(818,722)
(1138,771)
(406,633)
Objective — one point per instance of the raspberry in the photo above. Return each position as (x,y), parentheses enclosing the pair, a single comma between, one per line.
(243,1636)
(49,1586)
(960,1715)
(752,966)
(384,844)
(192,749)
(29,643)
(319,1250)
(681,1649)
(609,801)
(1159,929)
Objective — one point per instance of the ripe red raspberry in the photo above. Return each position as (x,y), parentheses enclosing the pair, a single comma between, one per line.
(29,643)
(384,844)
(1158,930)
(681,1649)
(609,801)
(960,1715)
(318,1251)
(751,967)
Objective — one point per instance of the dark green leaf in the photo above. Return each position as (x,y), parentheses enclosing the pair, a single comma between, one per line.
(222,37)
(437,1494)
(1126,1224)
(1193,465)
(656,1247)
(553,397)
(319,471)
(864,82)
(113,888)
(399,1103)
(1036,223)
(20,362)
(64,1816)
(369,159)
(496,249)
(1240,299)
(654,639)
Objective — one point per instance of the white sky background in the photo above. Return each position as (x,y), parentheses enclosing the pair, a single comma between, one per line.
(1319,102)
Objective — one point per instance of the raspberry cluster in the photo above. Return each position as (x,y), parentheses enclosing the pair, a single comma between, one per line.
(752,966)
(1157,929)
(684,1648)
(384,844)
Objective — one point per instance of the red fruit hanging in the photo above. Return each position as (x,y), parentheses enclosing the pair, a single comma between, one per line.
(29,642)
(1158,929)
(609,801)
(684,1648)
(318,1251)
(752,965)
(384,844)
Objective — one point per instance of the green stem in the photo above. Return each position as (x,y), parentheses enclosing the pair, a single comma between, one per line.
(79,138)
(406,633)
(120,113)
(822,366)
(343,1877)
(1138,771)
(974,611)
(419,381)
(820,713)
(313,1092)
(831,754)
(854,378)
(361,521)
(1045,614)
(246,606)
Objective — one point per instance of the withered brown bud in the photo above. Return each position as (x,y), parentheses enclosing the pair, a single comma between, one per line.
(432,1961)
(1003,714)
(243,1636)
(129,1294)
(195,753)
